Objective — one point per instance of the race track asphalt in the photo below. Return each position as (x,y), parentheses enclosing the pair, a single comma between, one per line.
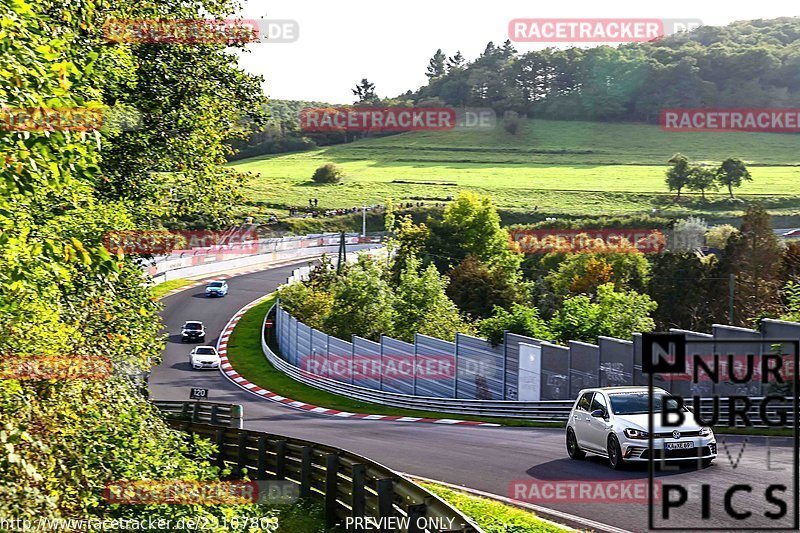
(484,458)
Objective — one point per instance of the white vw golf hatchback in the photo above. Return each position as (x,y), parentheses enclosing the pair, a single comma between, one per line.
(613,422)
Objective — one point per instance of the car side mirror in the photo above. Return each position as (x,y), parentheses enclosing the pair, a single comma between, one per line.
(599,413)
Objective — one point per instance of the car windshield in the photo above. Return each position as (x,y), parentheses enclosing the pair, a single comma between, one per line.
(193,325)
(205,351)
(636,403)
(215,285)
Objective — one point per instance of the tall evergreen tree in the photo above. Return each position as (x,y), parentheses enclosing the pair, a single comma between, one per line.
(754,258)
(365,92)
(455,62)
(437,66)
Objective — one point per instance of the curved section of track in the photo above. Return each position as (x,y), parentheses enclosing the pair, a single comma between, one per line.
(484,458)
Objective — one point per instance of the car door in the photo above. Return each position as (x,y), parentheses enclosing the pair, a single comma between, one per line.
(580,418)
(597,427)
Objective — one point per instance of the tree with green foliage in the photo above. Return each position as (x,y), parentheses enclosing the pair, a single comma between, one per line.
(328,173)
(511,122)
(437,66)
(791,296)
(410,240)
(731,173)
(365,92)
(687,287)
(746,63)
(701,178)
(611,313)
(455,62)
(309,304)
(717,236)
(477,288)
(470,225)
(421,305)
(790,262)
(584,272)
(754,258)
(519,319)
(678,174)
(363,303)
(62,294)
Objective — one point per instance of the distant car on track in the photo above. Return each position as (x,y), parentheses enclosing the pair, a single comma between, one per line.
(193,330)
(204,357)
(217,288)
(613,422)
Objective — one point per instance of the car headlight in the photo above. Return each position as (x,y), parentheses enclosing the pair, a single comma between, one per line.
(705,432)
(636,433)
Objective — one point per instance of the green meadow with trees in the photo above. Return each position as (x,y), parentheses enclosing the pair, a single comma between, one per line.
(460,272)
(576,131)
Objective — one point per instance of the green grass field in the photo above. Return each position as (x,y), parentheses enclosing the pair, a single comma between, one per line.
(574,168)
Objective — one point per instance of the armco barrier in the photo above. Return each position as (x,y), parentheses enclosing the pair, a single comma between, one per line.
(350,485)
(519,369)
(564,370)
(555,411)
(218,414)
(204,261)
(545,411)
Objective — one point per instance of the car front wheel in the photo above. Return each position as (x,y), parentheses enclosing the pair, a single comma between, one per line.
(615,453)
(573,449)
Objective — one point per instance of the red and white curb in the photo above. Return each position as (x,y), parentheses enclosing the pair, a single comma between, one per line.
(229,372)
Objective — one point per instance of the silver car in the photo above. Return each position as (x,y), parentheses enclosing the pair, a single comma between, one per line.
(613,422)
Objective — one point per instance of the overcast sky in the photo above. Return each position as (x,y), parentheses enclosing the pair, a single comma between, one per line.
(390,43)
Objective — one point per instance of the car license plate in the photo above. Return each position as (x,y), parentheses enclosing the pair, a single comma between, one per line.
(679,445)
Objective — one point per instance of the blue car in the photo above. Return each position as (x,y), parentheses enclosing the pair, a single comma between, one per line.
(217,288)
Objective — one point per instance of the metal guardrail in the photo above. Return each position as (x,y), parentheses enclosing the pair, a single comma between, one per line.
(555,411)
(543,411)
(350,485)
(218,414)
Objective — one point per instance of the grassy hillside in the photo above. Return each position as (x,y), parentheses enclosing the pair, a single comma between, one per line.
(552,167)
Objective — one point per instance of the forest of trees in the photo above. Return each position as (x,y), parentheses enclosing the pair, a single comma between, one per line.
(747,64)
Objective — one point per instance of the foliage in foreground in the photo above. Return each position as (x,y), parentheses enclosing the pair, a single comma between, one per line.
(62,294)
